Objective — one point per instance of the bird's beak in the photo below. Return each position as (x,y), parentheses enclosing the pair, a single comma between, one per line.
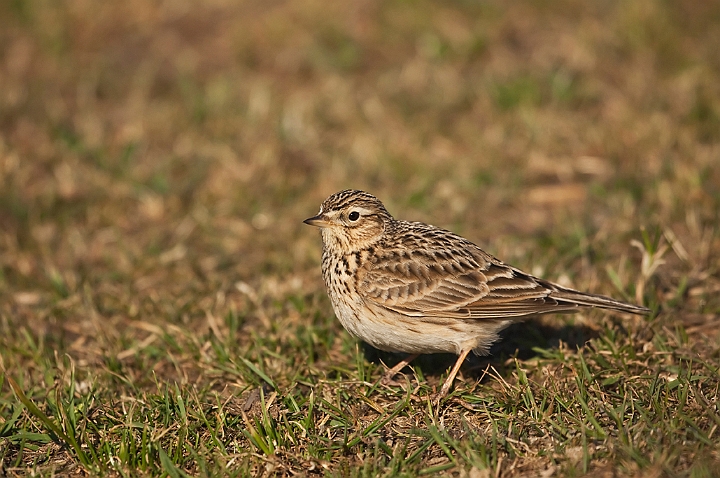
(320,221)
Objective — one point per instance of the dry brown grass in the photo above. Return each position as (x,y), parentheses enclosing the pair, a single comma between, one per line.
(156,162)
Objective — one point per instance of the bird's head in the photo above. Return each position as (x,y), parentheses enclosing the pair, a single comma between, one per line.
(351,220)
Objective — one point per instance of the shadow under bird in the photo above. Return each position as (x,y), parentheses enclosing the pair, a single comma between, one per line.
(411,287)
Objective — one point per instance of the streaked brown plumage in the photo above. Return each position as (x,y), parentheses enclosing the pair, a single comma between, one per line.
(410,287)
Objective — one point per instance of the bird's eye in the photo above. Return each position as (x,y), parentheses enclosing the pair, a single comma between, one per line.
(354,216)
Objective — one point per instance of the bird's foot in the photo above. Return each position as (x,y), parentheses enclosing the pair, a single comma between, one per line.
(389,379)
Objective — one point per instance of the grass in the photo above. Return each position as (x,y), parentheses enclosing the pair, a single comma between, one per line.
(161,307)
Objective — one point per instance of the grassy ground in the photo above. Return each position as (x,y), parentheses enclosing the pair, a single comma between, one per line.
(161,307)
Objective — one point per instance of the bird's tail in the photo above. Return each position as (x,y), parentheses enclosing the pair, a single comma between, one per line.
(584,299)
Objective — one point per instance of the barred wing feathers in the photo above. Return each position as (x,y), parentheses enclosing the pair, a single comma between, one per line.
(435,273)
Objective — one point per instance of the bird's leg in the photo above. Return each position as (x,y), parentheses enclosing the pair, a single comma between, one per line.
(451,377)
(390,374)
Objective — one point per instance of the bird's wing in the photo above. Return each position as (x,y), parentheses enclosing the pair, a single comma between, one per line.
(466,282)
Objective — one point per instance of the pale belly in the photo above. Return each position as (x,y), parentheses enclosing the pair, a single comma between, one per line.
(394,332)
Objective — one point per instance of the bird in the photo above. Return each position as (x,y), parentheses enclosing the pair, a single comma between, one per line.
(411,287)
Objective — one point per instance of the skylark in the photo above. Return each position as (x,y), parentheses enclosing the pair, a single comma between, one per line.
(411,287)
